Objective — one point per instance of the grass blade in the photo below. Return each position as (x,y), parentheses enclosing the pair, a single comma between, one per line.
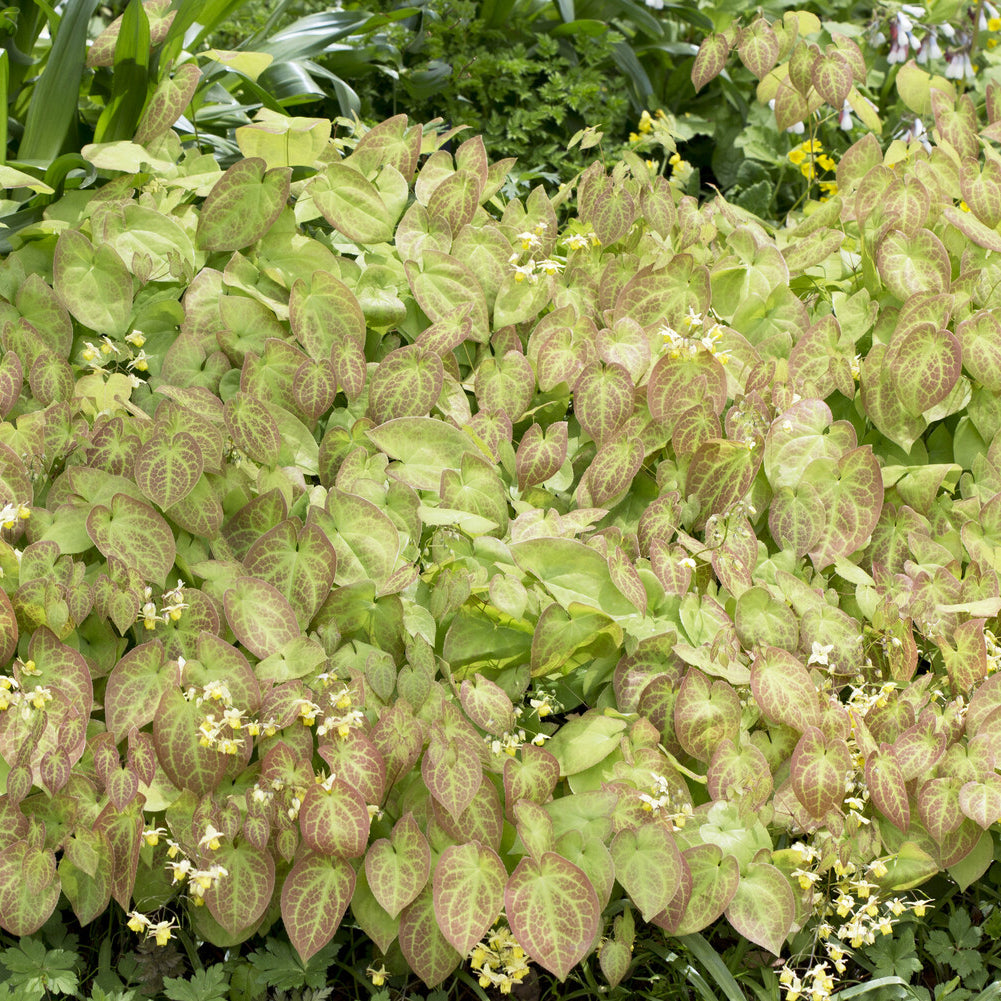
(713,965)
(52,113)
(130,78)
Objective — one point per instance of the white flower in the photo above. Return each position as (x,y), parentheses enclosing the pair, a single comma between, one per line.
(819,653)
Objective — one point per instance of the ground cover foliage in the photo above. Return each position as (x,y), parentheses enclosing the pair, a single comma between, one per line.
(385,556)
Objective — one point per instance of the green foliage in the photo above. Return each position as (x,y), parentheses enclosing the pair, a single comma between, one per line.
(381,551)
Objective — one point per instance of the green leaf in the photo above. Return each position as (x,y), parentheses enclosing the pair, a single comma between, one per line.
(242,205)
(52,112)
(763,908)
(648,865)
(583,742)
(129,79)
(206,984)
(93,283)
(351,204)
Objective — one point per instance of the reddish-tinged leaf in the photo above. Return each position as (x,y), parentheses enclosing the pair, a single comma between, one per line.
(965,655)
(541,454)
(26,903)
(315,895)
(626,578)
(482,820)
(242,205)
(851,491)
(397,868)
(260,616)
(981,801)
(175,732)
(334,821)
(123,829)
(721,473)
(887,788)
(533,777)
(603,399)
(134,533)
(783,689)
(505,384)
(706,713)
(715,877)
(909,264)
(980,338)
(611,472)
(817,772)
(452,772)
(168,467)
(739,774)
(355,760)
(553,911)
(468,893)
(924,365)
(406,384)
(422,942)
(710,60)
(832,76)
(758,47)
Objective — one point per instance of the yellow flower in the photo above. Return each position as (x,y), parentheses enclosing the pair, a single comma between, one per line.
(797,156)
(994,24)
(138,922)
(378,977)
(162,933)
(963,206)
(826,163)
(646,122)
(808,170)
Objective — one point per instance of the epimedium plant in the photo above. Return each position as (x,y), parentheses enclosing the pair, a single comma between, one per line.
(373,542)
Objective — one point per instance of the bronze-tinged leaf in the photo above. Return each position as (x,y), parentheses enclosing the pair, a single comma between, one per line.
(924,364)
(706,713)
(553,911)
(603,399)
(721,473)
(315,895)
(468,893)
(817,772)
(397,868)
(710,60)
(242,205)
(423,943)
(782,688)
(541,454)
(758,47)
(887,788)
(763,909)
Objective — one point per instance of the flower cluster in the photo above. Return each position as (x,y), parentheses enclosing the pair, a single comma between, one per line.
(26,701)
(95,355)
(337,715)
(581,241)
(532,268)
(160,931)
(512,741)
(852,914)
(661,800)
(811,159)
(11,514)
(223,720)
(499,961)
(172,604)
(703,332)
